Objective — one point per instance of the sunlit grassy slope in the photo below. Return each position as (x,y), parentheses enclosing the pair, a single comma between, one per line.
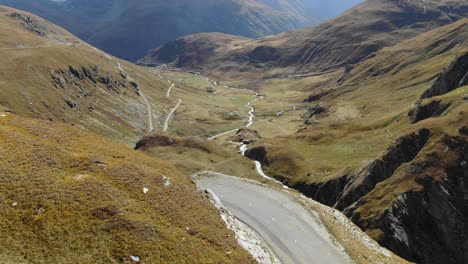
(71,196)
(365,112)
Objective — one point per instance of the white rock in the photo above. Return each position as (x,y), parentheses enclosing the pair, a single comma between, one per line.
(135,258)
(145,190)
(167,182)
(14,204)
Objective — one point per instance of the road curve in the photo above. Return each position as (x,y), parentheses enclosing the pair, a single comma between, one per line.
(295,235)
(166,122)
(148,107)
(168,94)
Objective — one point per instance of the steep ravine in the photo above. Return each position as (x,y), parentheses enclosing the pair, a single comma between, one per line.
(413,224)
(425,223)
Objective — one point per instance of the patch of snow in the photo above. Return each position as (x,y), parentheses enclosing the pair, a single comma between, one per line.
(145,190)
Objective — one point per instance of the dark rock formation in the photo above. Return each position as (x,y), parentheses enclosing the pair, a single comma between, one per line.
(29,23)
(424,111)
(58,79)
(427,226)
(154,141)
(318,96)
(79,76)
(463,130)
(453,77)
(325,192)
(401,151)
(76,72)
(91,72)
(315,112)
(108,80)
(71,104)
(258,154)
(246,136)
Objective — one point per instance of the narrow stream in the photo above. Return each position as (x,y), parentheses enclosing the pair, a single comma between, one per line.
(242,146)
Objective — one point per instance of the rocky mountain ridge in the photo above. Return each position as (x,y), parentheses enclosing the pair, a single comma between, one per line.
(334,44)
(126,29)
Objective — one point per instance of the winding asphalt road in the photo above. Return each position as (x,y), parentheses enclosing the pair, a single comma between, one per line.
(293,233)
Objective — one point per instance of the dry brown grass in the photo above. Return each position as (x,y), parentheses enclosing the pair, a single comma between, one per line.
(367,111)
(192,154)
(71,196)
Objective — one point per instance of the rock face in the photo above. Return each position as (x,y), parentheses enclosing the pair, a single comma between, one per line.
(246,136)
(401,151)
(315,112)
(77,76)
(258,154)
(80,83)
(453,77)
(427,226)
(424,224)
(317,96)
(29,23)
(154,140)
(424,111)
(325,192)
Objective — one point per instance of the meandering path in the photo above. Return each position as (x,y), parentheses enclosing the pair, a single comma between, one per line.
(166,122)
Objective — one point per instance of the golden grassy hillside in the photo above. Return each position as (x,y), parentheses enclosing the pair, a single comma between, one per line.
(192,155)
(361,151)
(71,196)
(47,73)
(364,113)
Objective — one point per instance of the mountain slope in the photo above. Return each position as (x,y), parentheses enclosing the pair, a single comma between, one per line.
(339,42)
(50,74)
(71,196)
(385,142)
(128,29)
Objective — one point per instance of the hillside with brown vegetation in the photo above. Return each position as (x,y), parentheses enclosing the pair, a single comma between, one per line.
(72,196)
(366,113)
(362,150)
(50,74)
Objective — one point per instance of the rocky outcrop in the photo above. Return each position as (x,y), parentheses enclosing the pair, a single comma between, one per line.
(401,151)
(79,76)
(463,130)
(155,140)
(315,112)
(317,96)
(453,77)
(258,154)
(325,192)
(426,226)
(29,23)
(422,111)
(245,136)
